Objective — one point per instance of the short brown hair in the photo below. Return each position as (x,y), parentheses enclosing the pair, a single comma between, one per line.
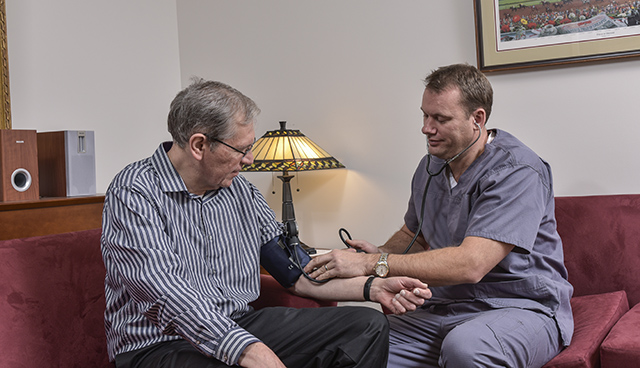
(475,89)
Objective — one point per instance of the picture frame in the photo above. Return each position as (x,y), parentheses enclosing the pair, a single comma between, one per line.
(5,100)
(516,34)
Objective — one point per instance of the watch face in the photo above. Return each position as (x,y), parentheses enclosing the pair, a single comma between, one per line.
(381,270)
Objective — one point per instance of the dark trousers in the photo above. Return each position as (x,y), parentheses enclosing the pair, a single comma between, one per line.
(311,337)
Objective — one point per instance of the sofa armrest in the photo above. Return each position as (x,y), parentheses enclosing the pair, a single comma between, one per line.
(272,294)
(594,316)
(621,348)
(53,301)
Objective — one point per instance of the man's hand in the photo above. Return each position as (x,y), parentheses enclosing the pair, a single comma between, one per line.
(399,294)
(363,245)
(258,355)
(341,263)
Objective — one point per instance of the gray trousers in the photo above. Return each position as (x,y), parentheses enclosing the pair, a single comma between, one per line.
(311,337)
(472,335)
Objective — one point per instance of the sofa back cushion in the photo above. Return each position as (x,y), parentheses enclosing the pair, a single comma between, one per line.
(601,239)
(52,306)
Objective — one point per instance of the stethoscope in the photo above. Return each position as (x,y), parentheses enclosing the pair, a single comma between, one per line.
(343,232)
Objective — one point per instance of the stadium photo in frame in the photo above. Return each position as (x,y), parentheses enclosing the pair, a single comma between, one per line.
(514,34)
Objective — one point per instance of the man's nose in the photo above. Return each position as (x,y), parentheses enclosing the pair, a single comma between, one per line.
(428,127)
(248,158)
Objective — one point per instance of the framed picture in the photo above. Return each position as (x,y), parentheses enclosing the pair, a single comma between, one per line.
(5,102)
(514,34)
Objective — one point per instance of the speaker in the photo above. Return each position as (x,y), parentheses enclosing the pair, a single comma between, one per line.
(67,164)
(18,165)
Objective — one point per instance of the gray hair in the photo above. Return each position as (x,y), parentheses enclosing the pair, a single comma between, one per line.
(211,108)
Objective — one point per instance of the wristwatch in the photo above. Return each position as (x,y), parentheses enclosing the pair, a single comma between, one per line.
(382,267)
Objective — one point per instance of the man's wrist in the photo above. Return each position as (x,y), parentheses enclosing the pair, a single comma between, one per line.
(366,291)
(372,259)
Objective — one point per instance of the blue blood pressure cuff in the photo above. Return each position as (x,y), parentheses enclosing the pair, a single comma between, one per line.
(283,261)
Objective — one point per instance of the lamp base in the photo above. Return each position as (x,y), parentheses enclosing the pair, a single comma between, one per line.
(288,214)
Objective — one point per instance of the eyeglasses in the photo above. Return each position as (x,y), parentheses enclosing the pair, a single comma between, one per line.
(244,153)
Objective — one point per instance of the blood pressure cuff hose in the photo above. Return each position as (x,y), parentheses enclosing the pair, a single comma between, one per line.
(283,261)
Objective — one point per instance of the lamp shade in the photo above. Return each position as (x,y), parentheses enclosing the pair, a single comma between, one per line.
(289,150)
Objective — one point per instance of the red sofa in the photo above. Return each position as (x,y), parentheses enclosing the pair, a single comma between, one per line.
(52,301)
(601,239)
(52,292)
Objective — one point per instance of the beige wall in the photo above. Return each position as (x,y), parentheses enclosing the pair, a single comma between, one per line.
(346,73)
(108,66)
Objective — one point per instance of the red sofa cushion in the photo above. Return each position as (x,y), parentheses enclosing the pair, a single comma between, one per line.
(272,294)
(600,236)
(53,302)
(594,316)
(621,348)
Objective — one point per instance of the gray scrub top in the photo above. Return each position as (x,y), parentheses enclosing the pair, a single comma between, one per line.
(505,195)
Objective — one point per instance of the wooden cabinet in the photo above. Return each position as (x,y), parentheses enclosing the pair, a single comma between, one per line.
(50,216)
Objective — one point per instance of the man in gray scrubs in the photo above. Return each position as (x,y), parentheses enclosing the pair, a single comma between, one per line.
(483,237)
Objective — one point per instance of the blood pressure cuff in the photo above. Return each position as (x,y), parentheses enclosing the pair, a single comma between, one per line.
(283,261)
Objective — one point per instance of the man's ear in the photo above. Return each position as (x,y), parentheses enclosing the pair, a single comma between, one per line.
(198,143)
(480,117)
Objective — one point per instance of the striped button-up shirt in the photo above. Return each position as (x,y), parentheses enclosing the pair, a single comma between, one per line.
(181,266)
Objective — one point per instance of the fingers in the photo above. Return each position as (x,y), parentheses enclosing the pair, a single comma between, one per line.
(408,298)
(411,283)
(319,267)
(316,263)
(355,243)
(341,263)
(406,301)
(320,273)
(423,293)
(363,245)
(411,295)
(398,308)
(312,264)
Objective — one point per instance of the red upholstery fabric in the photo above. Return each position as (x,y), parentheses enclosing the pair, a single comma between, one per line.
(601,237)
(52,302)
(52,290)
(594,315)
(272,294)
(622,347)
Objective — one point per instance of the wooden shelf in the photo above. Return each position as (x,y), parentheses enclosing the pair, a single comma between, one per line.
(50,216)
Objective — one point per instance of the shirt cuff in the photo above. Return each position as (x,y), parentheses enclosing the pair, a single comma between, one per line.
(233,344)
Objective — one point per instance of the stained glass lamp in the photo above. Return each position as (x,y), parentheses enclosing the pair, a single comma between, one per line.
(289,150)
